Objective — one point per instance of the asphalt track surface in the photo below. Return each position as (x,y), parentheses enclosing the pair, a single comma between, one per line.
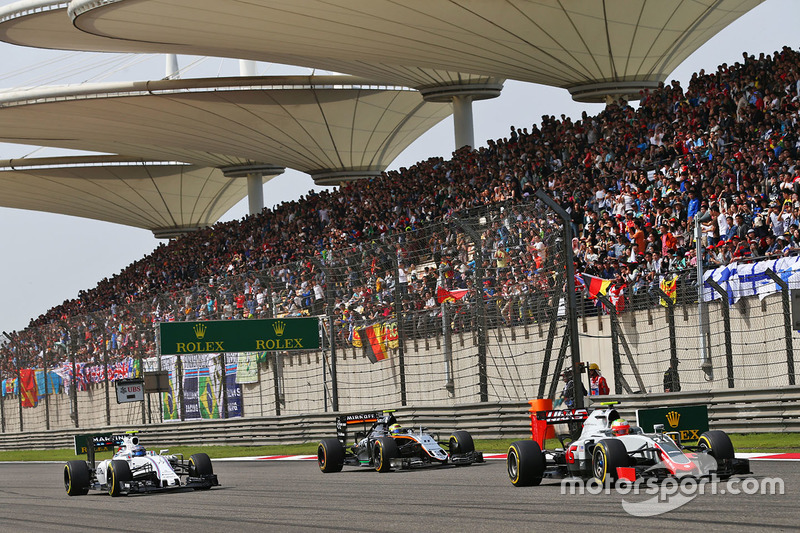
(296,496)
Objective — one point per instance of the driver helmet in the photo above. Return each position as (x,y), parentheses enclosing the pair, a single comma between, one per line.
(138,451)
(620,426)
(394,429)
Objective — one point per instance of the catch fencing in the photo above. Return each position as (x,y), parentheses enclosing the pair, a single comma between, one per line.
(469,310)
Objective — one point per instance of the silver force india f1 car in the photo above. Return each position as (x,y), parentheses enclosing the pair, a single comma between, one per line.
(133,469)
(608,449)
(385,444)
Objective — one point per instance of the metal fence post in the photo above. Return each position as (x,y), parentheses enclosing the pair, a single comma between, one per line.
(483,381)
(673,341)
(399,296)
(787,322)
(329,305)
(570,273)
(73,344)
(105,371)
(46,391)
(726,320)
(3,405)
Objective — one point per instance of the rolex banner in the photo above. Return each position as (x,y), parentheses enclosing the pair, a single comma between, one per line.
(690,421)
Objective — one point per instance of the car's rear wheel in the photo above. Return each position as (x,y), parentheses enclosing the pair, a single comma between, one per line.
(118,472)
(330,455)
(718,445)
(76,478)
(525,463)
(383,451)
(608,455)
(461,443)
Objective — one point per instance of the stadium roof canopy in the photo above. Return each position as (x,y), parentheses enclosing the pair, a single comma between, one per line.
(46,24)
(335,128)
(168,198)
(592,48)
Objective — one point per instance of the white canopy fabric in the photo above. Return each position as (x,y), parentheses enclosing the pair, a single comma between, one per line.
(591,47)
(168,198)
(335,128)
(46,24)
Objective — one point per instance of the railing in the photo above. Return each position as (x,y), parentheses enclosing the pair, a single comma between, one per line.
(761,410)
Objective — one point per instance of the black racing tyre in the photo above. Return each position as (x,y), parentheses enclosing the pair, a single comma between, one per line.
(461,443)
(608,455)
(525,463)
(118,471)
(200,465)
(718,444)
(76,478)
(330,455)
(383,451)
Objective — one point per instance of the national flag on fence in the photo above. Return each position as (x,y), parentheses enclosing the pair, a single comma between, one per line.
(670,289)
(355,336)
(443,295)
(27,387)
(617,296)
(374,347)
(392,338)
(595,285)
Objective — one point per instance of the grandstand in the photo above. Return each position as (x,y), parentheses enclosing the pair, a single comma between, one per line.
(466,264)
(726,144)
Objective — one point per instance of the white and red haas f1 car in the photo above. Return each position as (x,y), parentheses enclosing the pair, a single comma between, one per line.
(606,455)
(383,444)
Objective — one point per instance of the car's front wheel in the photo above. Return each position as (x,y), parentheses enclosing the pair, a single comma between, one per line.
(383,451)
(200,466)
(608,455)
(718,445)
(461,443)
(118,472)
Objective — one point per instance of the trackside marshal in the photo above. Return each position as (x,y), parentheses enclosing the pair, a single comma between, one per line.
(232,336)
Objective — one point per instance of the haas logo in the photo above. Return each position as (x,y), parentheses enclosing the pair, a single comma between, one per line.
(673,417)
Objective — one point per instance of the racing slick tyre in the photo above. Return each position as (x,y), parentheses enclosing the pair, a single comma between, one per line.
(118,471)
(461,443)
(330,455)
(718,445)
(200,466)
(76,478)
(608,455)
(525,463)
(383,451)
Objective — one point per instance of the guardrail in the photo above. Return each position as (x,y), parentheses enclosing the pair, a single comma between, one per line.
(751,411)
(757,410)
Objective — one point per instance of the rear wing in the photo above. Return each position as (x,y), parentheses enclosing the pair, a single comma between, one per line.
(542,419)
(89,444)
(344,421)
(563,417)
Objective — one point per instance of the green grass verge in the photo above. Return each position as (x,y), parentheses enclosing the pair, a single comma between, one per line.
(754,442)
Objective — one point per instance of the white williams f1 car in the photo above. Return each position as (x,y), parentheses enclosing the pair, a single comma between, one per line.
(133,469)
(385,444)
(609,449)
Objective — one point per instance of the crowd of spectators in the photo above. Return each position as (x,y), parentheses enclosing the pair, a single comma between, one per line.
(635,181)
